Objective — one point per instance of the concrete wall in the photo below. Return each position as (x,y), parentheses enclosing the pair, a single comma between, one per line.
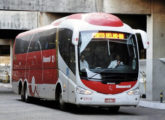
(156,35)
(25,20)
(18,20)
(127,6)
(47,18)
(67,6)
(72,6)
(36,13)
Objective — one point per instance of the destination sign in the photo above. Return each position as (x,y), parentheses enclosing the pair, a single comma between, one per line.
(109,35)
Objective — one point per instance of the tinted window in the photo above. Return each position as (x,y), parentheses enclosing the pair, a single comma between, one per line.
(34,44)
(72,58)
(47,39)
(43,41)
(66,48)
(21,45)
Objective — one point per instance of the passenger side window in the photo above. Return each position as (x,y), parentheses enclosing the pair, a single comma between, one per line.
(38,41)
(21,45)
(17,46)
(47,39)
(34,45)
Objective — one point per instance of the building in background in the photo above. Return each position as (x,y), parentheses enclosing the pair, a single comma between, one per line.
(21,15)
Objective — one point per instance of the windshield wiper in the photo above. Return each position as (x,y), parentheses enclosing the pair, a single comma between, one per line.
(96,74)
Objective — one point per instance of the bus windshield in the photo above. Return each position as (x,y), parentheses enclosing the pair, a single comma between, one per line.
(107,53)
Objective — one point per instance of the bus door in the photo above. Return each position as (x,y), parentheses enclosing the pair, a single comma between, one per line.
(34,66)
(67,64)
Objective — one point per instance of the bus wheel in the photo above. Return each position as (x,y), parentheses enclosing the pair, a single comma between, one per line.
(24,94)
(114,109)
(62,104)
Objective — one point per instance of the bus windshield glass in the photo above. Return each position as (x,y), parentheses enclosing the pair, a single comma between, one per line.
(107,53)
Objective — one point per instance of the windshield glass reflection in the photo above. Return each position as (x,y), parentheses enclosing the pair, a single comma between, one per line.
(107,55)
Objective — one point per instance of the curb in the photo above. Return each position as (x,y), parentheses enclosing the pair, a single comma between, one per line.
(152,104)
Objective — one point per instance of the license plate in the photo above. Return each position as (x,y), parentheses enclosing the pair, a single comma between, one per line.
(110,100)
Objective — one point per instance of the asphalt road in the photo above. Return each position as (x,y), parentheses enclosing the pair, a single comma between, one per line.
(12,108)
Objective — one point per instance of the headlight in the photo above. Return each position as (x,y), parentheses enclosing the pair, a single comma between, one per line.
(133,92)
(81,90)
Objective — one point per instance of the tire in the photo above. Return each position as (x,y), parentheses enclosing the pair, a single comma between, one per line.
(114,109)
(62,104)
(24,94)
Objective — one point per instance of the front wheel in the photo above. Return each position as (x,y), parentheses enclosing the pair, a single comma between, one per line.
(62,104)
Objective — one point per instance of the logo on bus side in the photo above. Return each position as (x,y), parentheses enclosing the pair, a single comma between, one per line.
(46,59)
(49,59)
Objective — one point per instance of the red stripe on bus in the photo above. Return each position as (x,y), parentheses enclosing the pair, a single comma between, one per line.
(108,88)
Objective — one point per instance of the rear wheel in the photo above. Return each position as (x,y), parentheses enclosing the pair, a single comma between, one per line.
(24,94)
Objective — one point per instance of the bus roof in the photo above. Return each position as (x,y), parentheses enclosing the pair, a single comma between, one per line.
(86,21)
(93,21)
(100,19)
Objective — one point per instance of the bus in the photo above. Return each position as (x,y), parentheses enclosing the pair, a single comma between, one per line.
(88,59)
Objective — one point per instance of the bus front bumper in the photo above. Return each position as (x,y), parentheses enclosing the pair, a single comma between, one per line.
(97,99)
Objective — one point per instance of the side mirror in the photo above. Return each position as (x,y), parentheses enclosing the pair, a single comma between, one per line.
(143,36)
